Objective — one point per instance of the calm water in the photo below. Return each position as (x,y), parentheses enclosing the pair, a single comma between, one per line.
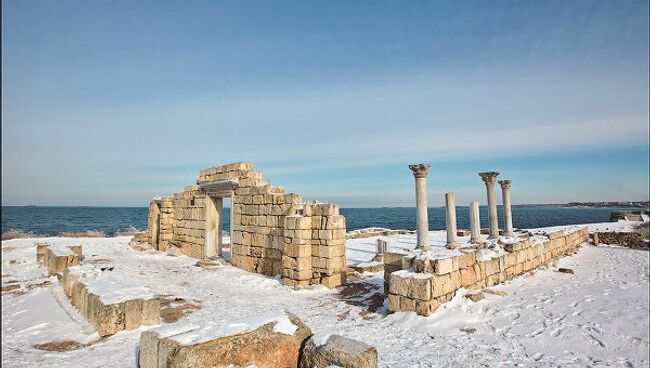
(53,220)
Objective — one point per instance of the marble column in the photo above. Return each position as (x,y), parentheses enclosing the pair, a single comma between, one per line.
(474,223)
(507,208)
(490,178)
(420,172)
(450,202)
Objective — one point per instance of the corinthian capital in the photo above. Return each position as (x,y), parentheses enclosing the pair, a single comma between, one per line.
(489,177)
(505,184)
(420,170)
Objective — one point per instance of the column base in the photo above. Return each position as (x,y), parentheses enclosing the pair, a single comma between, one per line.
(452,245)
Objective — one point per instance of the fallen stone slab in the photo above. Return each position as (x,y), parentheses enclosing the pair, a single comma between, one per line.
(565,270)
(475,297)
(264,342)
(140,246)
(495,292)
(323,351)
(372,266)
(210,264)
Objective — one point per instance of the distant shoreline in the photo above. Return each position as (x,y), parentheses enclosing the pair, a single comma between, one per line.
(641,205)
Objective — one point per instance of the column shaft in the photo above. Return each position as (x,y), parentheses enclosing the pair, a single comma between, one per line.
(490,179)
(450,201)
(492,213)
(422,216)
(474,222)
(420,172)
(507,208)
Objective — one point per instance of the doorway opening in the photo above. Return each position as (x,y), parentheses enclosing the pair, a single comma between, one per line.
(218,231)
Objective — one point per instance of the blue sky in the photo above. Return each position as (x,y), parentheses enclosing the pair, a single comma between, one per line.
(111,102)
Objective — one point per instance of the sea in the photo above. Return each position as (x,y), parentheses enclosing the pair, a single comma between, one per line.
(50,221)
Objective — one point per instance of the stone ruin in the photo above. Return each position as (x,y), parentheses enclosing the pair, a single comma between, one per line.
(271,232)
(107,304)
(421,280)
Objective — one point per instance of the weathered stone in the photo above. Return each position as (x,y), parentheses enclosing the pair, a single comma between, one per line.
(475,297)
(495,292)
(267,346)
(410,284)
(443,266)
(339,351)
(441,285)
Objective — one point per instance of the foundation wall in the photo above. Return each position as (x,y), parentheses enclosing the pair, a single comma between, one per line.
(421,285)
(630,239)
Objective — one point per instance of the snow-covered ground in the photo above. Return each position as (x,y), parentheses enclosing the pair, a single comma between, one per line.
(597,316)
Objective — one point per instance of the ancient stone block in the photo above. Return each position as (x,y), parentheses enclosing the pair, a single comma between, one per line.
(467,260)
(443,266)
(338,351)
(441,285)
(410,284)
(265,347)
(467,276)
(393,302)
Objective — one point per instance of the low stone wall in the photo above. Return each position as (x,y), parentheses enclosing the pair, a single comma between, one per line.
(625,239)
(421,284)
(106,304)
(370,232)
(57,258)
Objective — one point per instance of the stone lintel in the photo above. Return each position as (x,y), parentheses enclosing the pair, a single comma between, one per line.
(219,187)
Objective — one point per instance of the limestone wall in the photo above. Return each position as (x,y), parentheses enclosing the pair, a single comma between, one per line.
(189,221)
(314,246)
(628,239)
(161,215)
(166,223)
(422,284)
(272,232)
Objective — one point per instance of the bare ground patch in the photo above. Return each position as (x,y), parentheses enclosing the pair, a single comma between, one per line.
(60,346)
(174,308)
(38,285)
(14,289)
(363,294)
